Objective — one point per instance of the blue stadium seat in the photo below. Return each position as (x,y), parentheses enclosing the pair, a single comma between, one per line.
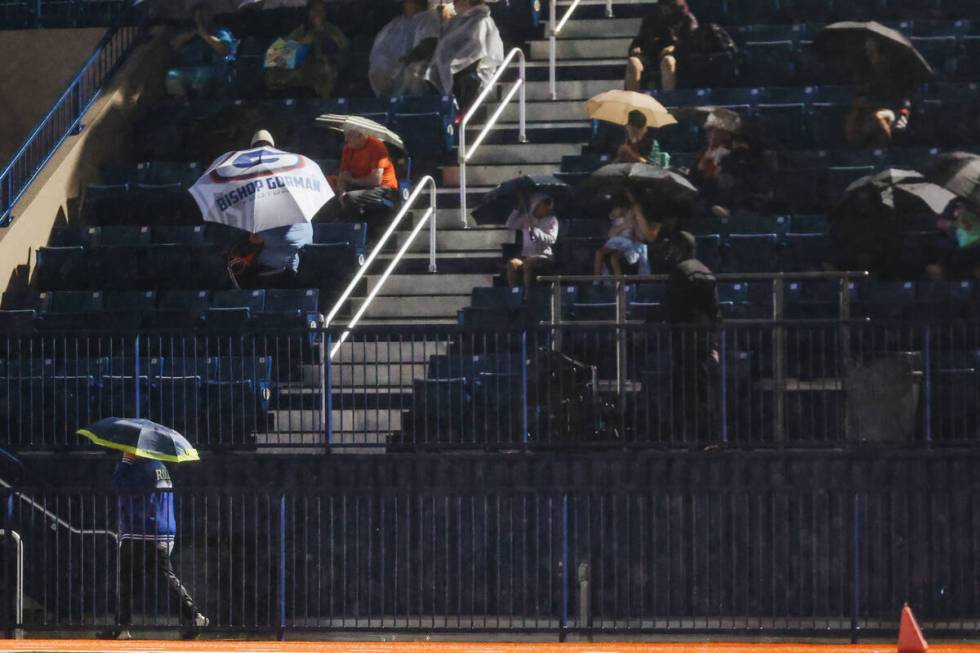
(939,51)
(75,236)
(783,125)
(17,322)
(806,252)
(827,124)
(105,204)
(231,309)
(165,203)
(179,267)
(752,253)
(120,268)
(130,308)
(426,135)
(497,298)
(166,173)
(64,268)
(756,223)
(890,299)
(495,409)
(191,235)
(124,236)
(237,396)
(181,308)
(709,251)
(326,266)
(339,233)
(808,224)
(769,62)
(288,309)
(646,301)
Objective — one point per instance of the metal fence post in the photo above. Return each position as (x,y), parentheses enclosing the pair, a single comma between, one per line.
(136,376)
(553,50)
(18,632)
(326,386)
(566,572)
(856,569)
(927,383)
(723,391)
(778,363)
(282,567)
(525,434)
(620,338)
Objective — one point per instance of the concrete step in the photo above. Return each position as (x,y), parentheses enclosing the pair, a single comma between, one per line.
(445,219)
(583,48)
(460,240)
(540,133)
(402,285)
(353,376)
(527,153)
(600,28)
(547,111)
(572,90)
(492,175)
(409,308)
(385,351)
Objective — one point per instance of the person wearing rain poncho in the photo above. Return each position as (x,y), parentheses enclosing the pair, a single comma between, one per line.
(538,225)
(403,47)
(468,54)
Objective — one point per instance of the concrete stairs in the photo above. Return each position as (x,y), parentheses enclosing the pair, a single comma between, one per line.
(370,389)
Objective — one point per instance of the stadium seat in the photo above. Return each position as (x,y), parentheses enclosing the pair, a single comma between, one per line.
(806,252)
(181,308)
(17,322)
(75,236)
(106,204)
(288,309)
(437,412)
(65,268)
(327,266)
(339,233)
(124,236)
(783,125)
(190,235)
(752,253)
(769,62)
(166,173)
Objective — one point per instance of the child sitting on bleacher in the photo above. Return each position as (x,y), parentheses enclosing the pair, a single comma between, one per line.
(622,245)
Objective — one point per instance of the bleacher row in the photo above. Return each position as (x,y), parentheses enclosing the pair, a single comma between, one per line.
(215,399)
(748,300)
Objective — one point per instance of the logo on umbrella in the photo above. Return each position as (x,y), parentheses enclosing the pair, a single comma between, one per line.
(251,159)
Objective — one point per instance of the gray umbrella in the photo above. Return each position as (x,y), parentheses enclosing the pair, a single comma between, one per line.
(843,45)
(959,173)
(653,181)
(904,190)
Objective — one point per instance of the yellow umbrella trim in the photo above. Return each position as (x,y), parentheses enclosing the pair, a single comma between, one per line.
(192,455)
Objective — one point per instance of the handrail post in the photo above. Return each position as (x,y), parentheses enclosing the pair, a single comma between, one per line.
(522,101)
(620,338)
(18,582)
(556,311)
(433,206)
(778,362)
(553,50)
(463,213)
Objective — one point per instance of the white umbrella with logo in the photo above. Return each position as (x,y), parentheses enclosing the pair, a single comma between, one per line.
(261,188)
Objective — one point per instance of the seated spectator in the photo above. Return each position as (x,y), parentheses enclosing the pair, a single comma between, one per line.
(962,258)
(204,57)
(537,223)
(393,45)
(640,146)
(654,49)
(622,245)
(731,172)
(881,106)
(468,53)
(415,64)
(325,45)
(366,187)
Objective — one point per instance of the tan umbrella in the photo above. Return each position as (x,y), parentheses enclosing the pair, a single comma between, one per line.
(615,107)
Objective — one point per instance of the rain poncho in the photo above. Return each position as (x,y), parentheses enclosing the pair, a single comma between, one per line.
(394,41)
(469,38)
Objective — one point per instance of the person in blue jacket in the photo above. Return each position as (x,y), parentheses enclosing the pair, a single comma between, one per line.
(147,530)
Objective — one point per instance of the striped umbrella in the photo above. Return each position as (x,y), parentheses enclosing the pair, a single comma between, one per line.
(341,123)
(959,173)
(142,438)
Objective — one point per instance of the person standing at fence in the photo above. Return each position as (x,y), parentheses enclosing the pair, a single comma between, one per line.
(693,311)
(147,530)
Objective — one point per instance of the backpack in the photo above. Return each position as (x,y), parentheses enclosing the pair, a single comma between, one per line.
(708,57)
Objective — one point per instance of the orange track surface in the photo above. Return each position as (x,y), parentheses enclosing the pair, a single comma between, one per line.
(71,646)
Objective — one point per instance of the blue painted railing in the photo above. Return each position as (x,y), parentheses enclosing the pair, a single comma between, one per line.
(64,118)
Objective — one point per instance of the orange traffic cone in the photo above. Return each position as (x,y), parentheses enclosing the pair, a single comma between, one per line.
(910,639)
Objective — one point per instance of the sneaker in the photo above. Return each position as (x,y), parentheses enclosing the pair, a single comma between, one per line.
(200,621)
(115,634)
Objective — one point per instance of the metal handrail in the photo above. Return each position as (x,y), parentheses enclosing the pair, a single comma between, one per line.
(519,85)
(406,207)
(64,118)
(553,30)
(55,518)
(19,577)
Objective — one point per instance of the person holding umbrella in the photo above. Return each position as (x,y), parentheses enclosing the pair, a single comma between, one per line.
(147,526)
(959,173)
(270,194)
(639,114)
(886,67)
(366,185)
(536,220)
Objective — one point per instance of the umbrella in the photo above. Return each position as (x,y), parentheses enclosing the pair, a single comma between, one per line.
(142,438)
(903,189)
(261,188)
(615,107)
(843,44)
(499,202)
(655,182)
(712,118)
(369,127)
(959,173)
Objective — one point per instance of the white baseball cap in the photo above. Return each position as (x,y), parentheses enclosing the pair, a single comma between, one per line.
(262,136)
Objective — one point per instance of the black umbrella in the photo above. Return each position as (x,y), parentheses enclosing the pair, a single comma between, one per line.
(959,173)
(904,190)
(499,202)
(842,45)
(142,438)
(656,183)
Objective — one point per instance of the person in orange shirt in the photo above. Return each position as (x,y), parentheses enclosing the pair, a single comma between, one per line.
(366,187)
